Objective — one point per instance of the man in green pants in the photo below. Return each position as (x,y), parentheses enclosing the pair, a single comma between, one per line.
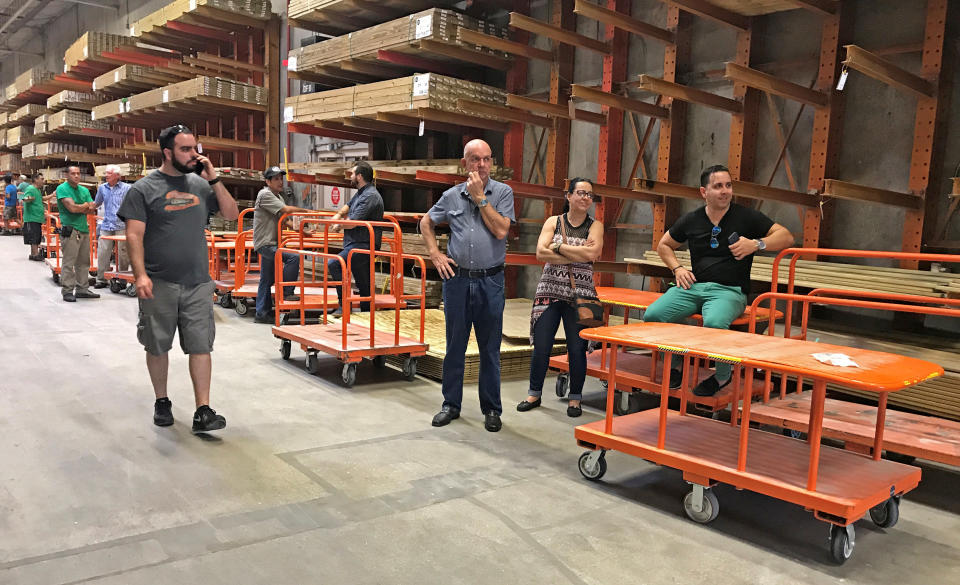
(75,204)
(723,237)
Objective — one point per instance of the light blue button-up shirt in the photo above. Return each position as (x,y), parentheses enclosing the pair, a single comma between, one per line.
(111,198)
(472,246)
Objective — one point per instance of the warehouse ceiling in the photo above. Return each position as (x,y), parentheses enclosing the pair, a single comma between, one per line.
(22,20)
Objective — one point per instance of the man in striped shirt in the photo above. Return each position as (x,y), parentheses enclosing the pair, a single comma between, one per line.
(110,195)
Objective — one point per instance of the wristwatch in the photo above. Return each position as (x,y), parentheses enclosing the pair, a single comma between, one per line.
(556,247)
(213,182)
(761,245)
(483,203)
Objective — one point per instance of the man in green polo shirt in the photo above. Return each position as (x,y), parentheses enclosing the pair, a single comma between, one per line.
(33,216)
(75,204)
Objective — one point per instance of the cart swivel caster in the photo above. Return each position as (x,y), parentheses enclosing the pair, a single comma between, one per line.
(592,464)
(563,382)
(285,347)
(226,301)
(349,374)
(885,515)
(313,363)
(131,290)
(241,307)
(56,278)
(380,361)
(409,368)
(115,286)
(701,504)
(842,540)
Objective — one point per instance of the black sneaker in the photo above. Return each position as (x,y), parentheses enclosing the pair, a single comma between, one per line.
(85,294)
(206,419)
(710,386)
(101,284)
(69,297)
(676,378)
(162,413)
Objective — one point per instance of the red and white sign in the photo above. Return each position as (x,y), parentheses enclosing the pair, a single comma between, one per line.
(335,195)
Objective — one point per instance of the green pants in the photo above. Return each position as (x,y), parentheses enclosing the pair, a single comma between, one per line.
(719,304)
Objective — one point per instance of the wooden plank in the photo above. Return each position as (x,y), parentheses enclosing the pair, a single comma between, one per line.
(714,12)
(615,101)
(556,33)
(882,70)
(507,46)
(845,190)
(554,110)
(623,21)
(771,84)
(824,7)
(688,94)
(506,113)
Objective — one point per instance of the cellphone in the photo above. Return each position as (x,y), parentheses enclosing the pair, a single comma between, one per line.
(734,237)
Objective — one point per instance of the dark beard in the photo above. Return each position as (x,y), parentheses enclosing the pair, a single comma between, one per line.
(184,168)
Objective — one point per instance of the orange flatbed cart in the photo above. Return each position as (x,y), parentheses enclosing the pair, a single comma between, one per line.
(839,486)
(120,280)
(636,371)
(348,342)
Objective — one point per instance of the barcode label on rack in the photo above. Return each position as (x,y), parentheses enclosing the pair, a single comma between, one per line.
(292,63)
(287,114)
(166,96)
(116,77)
(421,85)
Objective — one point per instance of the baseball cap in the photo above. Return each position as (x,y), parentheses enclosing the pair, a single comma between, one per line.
(273,172)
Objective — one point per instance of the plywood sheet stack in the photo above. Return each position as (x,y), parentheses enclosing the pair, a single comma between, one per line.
(402,35)
(74,100)
(26,113)
(91,45)
(406,94)
(18,135)
(40,124)
(257,9)
(66,120)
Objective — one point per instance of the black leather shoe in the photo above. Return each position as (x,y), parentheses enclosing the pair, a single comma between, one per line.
(69,298)
(527,405)
(491,422)
(445,416)
(85,294)
(101,284)
(676,378)
(263,319)
(574,411)
(710,386)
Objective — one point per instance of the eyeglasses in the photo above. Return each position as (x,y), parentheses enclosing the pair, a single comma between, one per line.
(713,237)
(585,194)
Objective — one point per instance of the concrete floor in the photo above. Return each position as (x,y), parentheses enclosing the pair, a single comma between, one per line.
(315,483)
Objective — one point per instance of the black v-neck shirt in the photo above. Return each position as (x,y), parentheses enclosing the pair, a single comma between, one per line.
(718,264)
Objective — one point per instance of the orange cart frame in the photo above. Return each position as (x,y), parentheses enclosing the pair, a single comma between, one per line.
(839,486)
(120,280)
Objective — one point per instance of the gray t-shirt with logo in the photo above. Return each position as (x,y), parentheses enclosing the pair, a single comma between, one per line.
(266,216)
(176,210)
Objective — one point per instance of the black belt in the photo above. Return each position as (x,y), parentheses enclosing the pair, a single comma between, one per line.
(457,271)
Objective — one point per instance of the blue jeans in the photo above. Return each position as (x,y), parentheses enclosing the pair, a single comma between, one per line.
(291,270)
(544,333)
(359,267)
(476,302)
(719,304)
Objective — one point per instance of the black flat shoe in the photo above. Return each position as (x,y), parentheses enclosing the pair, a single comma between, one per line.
(574,411)
(446,415)
(527,405)
(491,422)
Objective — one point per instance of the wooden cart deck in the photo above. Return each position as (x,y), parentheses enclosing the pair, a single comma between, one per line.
(848,484)
(920,436)
(328,338)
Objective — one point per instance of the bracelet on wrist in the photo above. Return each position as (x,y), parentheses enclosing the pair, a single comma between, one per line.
(677,268)
(213,182)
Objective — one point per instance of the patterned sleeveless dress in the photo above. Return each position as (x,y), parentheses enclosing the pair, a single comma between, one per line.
(554,283)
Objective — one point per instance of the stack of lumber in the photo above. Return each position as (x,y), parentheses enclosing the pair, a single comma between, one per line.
(10,161)
(819,274)
(411,286)
(403,95)
(438,27)
(413,244)
(196,11)
(219,224)
(939,396)
(56,175)
(26,81)
(128,79)
(18,135)
(449,166)
(40,124)
(47,149)
(74,100)
(221,91)
(126,169)
(514,354)
(334,17)
(90,46)
(26,114)
(67,120)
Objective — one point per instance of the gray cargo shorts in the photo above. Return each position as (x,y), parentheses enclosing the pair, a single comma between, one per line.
(174,307)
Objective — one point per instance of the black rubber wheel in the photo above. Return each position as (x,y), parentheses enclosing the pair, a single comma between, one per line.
(594,472)
(900,458)
(886,514)
(225,301)
(131,290)
(313,363)
(410,368)
(56,278)
(241,307)
(91,281)
(842,541)
(115,286)
(380,360)
(709,508)
(285,347)
(348,374)
(563,383)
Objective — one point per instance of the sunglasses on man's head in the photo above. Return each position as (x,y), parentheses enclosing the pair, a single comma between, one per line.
(713,237)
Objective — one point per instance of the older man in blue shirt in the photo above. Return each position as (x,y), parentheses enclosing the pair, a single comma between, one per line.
(110,195)
(479,213)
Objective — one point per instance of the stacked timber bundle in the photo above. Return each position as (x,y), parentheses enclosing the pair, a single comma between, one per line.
(10,161)
(18,135)
(195,10)
(66,120)
(439,26)
(40,124)
(222,90)
(26,113)
(4,117)
(56,148)
(55,175)
(74,100)
(448,166)
(128,79)
(26,80)
(91,45)
(406,94)
(339,16)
